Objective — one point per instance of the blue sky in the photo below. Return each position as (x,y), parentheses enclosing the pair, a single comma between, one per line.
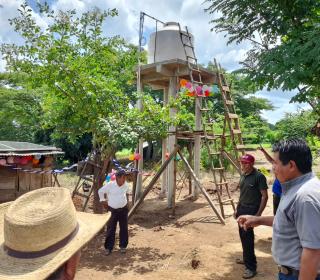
(188,12)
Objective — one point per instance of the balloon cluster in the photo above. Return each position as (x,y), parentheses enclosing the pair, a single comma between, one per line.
(23,160)
(135,156)
(189,89)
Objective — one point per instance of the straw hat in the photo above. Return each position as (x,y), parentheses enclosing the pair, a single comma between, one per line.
(40,231)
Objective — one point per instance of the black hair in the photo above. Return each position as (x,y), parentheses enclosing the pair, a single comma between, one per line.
(296,150)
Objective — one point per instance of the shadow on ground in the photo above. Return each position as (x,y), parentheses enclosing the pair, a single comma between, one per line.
(139,259)
(154,212)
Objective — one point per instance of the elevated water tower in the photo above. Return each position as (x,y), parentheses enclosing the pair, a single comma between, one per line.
(170,56)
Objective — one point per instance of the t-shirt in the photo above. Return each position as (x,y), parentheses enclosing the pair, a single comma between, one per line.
(250,188)
(116,195)
(297,222)
(276,187)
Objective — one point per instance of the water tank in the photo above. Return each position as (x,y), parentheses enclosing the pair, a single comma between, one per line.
(165,44)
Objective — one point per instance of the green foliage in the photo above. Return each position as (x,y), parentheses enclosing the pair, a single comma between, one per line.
(285,46)
(295,125)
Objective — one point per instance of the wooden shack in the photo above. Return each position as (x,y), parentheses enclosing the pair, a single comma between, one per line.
(24,167)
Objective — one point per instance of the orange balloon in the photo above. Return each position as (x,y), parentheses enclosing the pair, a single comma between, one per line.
(183,82)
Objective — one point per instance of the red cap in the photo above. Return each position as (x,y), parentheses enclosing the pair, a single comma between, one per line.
(247,158)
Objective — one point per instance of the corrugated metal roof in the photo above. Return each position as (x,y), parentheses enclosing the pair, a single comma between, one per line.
(26,148)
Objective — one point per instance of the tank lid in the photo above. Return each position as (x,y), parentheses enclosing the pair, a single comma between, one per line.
(171,25)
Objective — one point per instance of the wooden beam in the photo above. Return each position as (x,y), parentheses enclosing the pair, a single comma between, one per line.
(161,69)
(202,189)
(153,181)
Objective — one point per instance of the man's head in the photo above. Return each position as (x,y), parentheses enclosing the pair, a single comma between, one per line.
(247,162)
(121,177)
(292,158)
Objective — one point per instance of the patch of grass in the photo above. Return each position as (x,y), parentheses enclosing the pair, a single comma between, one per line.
(124,153)
(255,146)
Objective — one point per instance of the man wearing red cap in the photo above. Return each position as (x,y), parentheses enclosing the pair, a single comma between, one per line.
(252,201)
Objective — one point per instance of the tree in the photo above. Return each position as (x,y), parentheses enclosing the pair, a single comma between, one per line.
(84,77)
(285,46)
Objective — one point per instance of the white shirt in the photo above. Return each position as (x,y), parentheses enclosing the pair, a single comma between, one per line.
(116,195)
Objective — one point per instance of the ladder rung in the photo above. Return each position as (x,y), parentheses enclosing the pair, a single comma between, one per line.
(208,123)
(227,200)
(187,45)
(240,147)
(218,168)
(233,116)
(80,194)
(229,102)
(215,153)
(86,178)
(225,88)
(196,70)
(236,131)
(204,109)
(223,183)
(184,34)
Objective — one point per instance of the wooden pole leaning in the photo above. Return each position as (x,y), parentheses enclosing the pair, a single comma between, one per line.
(202,189)
(153,181)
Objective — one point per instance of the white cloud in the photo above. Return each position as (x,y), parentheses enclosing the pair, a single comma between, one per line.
(188,12)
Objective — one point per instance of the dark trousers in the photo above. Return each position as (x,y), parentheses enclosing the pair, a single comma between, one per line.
(247,238)
(281,276)
(276,201)
(117,215)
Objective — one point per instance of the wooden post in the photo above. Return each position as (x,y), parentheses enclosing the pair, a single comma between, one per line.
(153,181)
(171,142)
(164,177)
(202,189)
(140,147)
(197,145)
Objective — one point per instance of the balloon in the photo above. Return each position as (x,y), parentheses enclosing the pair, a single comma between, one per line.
(113,177)
(188,85)
(191,94)
(137,156)
(205,88)
(16,160)
(215,89)
(10,160)
(131,157)
(199,90)
(37,156)
(35,161)
(183,82)
(108,177)
(3,161)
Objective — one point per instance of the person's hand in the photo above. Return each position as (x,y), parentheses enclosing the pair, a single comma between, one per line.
(248,221)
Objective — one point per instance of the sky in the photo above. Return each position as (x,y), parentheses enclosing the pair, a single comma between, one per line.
(208,45)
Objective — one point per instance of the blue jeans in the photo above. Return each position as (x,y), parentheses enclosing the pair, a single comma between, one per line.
(282,276)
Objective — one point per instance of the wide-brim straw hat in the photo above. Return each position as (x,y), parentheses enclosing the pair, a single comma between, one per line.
(31,229)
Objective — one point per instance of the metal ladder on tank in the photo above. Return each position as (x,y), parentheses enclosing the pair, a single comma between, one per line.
(210,140)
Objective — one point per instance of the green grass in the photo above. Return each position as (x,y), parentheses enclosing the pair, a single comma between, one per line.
(255,146)
(124,153)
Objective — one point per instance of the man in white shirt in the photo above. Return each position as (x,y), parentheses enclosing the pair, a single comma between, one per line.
(114,196)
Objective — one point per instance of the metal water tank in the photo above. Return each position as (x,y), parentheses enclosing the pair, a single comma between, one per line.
(166,44)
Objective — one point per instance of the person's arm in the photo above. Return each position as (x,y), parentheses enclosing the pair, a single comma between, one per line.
(263,203)
(248,221)
(267,156)
(102,192)
(309,264)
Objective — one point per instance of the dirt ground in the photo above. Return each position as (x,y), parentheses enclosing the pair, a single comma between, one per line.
(192,245)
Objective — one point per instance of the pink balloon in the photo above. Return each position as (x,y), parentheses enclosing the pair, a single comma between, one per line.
(10,160)
(3,161)
(188,85)
(137,156)
(113,177)
(199,90)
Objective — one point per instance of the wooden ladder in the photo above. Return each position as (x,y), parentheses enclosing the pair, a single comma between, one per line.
(85,181)
(215,154)
(232,119)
